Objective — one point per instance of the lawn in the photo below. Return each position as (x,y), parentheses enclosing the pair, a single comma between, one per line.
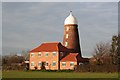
(38,74)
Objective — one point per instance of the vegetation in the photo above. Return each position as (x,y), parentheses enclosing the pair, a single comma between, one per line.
(107,50)
(38,74)
(105,60)
(114,49)
(101,52)
(14,62)
(97,68)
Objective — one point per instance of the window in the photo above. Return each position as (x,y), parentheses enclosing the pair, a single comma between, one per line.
(54,53)
(46,54)
(71,63)
(39,54)
(40,64)
(32,54)
(66,35)
(32,63)
(67,28)
(63,63)
(46,64)
(53,63)
(66,43)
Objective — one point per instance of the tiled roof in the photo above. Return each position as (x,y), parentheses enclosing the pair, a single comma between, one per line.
(46,47)
(74,57)
(70,57)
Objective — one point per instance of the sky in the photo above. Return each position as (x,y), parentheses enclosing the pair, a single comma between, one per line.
(60,0)
(25,25)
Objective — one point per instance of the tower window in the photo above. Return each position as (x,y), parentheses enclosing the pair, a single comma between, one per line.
(67,28)
(66,43)
(66,35)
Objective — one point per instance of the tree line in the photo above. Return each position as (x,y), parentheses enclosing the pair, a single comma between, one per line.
(106,58)
(14,61)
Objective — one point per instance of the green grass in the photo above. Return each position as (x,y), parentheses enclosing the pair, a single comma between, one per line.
(38,74)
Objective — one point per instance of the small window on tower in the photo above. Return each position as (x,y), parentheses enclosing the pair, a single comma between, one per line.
(66,35)
(66,43)
(67,28)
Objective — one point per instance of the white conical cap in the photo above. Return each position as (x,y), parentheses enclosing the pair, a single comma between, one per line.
(70,19)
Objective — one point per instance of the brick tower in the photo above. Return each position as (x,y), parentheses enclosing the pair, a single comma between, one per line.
(71,34)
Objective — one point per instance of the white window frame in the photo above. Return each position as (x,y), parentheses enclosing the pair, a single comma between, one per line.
(54,53)
(39,62)
(32,64)
(54,62)
(66,43)
(40,54)
(67,28)
(46,63)
(46,53)
(32,54)
(72,63)
(64,64)
(66,35)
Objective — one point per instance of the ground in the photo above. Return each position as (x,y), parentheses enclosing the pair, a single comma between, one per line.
(38,74)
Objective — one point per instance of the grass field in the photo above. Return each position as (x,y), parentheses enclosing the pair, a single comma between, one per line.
(37,74)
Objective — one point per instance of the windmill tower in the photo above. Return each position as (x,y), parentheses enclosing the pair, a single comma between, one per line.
(71,34)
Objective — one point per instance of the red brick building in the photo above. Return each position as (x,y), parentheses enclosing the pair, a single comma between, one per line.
(57,56)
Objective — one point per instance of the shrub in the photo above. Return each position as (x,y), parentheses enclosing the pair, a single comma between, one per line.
(96,68)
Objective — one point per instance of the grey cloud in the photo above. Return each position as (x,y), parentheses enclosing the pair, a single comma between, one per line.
(27,25)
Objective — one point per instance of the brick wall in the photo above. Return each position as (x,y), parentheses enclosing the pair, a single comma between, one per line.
(43,58)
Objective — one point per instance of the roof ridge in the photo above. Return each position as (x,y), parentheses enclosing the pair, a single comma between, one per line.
(49,46)
(71,57)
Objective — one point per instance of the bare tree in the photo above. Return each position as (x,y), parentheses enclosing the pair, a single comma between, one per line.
(25,54)
(102,50)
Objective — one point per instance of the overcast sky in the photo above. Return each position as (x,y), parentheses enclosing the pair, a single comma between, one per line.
(26,25)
